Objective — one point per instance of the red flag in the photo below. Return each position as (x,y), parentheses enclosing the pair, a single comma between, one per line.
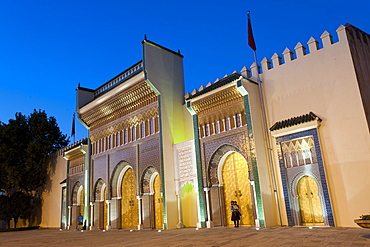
(251,42)
(73,125)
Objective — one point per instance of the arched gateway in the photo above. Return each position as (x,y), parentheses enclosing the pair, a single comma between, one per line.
(123,187)
(229,174)
(152,199)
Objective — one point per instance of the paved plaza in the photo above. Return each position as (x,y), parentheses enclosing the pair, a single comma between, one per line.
(218,236)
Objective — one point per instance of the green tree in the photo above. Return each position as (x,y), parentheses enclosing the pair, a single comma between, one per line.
(5,209)
(25,145)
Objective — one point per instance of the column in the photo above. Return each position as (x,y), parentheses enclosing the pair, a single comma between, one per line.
(256,220)
(108,215)
(179,224)
(209,221)
(69,217)
(92,222)
(140,207)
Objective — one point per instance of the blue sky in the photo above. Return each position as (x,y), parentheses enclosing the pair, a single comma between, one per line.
(47,47)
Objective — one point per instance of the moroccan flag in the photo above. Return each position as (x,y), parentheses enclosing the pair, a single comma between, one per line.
(73,125)
(250,34)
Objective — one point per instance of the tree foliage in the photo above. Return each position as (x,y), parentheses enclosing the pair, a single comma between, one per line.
(25,145)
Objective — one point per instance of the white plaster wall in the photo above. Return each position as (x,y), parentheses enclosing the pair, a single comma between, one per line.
(164,71)
(264,169)
(51,210)
(324,82)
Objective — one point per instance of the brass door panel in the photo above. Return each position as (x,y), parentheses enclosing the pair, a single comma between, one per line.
(309,202)
(129,209)
(237,188)
(105,208)
(158,203)
(82,200)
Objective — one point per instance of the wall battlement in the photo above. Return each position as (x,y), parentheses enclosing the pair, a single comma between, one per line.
(300,51)
(288,56)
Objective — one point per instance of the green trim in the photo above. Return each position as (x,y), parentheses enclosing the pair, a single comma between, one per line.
(87,171)
(259,206)
(67,195)
(165,221)
(152,86)
(202,211)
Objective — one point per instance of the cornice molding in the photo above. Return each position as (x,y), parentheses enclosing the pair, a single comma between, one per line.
(217,100)
(119,105)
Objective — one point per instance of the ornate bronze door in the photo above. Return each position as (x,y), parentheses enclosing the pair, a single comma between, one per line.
(158,203)
(105,209)
(82,201)
(309,202)
(237,188)
(129,209)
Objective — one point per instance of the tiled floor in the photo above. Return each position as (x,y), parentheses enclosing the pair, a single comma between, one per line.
(218,236)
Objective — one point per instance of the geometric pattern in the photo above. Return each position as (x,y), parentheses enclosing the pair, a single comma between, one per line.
(288,189)
(215,161)
(145,184)
(129,206)
(114,180)
(98,190)
(75,189)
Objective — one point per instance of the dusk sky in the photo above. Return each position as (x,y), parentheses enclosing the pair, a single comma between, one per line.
(47,47)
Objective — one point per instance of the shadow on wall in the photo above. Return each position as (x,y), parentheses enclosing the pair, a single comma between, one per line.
(36,216)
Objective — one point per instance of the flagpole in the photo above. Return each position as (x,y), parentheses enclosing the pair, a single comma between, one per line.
(252,44)
(73,128)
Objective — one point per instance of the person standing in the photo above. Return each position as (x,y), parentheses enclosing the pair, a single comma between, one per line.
(235,213)
(80,220)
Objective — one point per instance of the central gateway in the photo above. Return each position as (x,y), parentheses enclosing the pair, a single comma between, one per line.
(237,188)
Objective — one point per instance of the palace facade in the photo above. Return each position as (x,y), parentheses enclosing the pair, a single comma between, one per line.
(290,144)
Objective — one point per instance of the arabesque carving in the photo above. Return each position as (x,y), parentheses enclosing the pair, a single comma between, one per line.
(126,102)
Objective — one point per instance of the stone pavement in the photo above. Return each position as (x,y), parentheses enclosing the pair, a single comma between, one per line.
(218,236)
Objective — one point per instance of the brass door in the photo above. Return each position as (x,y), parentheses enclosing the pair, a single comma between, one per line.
(237,188)
(105,209)
(82,200)
(158,203)
(129,209)
(309,202)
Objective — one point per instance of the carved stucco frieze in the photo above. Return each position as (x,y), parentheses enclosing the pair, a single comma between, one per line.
(186,169)
(217,100)
(215,147)
(133,119)
(122,104)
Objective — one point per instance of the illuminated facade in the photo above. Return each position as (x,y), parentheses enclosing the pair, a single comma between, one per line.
(158,159)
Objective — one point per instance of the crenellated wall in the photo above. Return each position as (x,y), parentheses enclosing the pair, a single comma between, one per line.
(326,81)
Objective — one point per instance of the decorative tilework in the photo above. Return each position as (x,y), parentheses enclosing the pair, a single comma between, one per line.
(320,174)
(260,211)
(202,207)
(213,148)
(149,155)
(145,181)
(240,140)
